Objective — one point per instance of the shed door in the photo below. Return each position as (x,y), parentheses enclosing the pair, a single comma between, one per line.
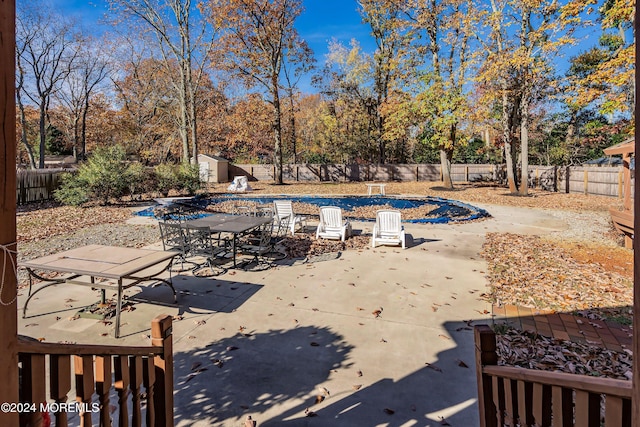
(204,171)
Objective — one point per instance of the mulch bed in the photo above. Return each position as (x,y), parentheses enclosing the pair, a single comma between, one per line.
(304,245)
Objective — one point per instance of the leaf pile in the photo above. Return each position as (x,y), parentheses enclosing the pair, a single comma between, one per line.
(617,259)
(34,225)
(532,351)
(304,245)
(532,272)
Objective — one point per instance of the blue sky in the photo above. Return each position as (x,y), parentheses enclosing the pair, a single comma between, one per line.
(320,21)
(324,19)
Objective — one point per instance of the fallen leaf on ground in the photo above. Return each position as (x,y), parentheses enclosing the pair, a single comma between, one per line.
(461,363)
(434,367)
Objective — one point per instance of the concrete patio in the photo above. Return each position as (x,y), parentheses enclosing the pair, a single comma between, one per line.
(377,337)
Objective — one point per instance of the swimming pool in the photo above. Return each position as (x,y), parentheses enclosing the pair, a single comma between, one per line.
(443,210)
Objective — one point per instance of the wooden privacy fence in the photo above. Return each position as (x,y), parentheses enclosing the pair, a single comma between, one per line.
(37,184)
(511,396)
(365,172)
(99,371)
(596,180)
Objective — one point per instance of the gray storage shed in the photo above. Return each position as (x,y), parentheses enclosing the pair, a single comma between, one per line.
(213,169)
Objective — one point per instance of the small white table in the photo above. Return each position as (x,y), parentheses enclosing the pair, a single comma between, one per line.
(380,188)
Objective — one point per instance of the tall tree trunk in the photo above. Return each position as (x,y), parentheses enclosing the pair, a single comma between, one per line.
(184,119)
(23,117)
(524,145)
(446,157)
(382,146)
(76,133)
(194,127)
(292,123)
(570,138)
(508,148)
(445,165)
(193,119)
(184,136)
(277,127)
(23,134)
(43,134)
(82,155)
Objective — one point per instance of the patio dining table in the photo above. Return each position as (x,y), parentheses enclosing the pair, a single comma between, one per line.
(233,224)
(126,267)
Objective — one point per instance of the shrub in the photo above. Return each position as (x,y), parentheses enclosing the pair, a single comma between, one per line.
(72,191)
(188,177)
(104,176)
(105,172)
(183,178)
(166,178)
(139,180)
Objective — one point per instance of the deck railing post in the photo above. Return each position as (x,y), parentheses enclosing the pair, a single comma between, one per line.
(485,342)
(103,386)
(33,387)
(85,386)
(60,374)
(161,330)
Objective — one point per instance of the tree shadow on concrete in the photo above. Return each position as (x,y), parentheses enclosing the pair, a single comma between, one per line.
(252,373)
(441,393)
(200,295)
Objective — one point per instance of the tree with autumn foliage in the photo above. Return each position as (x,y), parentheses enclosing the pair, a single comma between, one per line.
(104,123)
(388,30)
(350,111)
(258,39)
(519,40)
(316,130)
(183,40)
(442,98)
(248,135)
(604,75)
(149,118)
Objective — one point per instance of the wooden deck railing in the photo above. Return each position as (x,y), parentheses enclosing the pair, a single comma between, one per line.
(96,369)
(510,396)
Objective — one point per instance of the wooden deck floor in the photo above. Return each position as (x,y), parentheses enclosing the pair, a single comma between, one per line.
(565,326)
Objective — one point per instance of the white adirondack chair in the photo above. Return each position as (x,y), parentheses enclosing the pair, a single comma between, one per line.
(240,184)
(388,229)
(283,214)
(331,225)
